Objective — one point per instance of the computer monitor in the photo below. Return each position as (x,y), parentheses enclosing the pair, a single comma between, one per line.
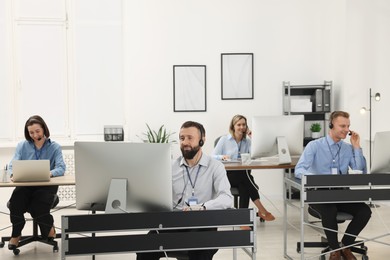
(145,167)
(381,156)
(268,129)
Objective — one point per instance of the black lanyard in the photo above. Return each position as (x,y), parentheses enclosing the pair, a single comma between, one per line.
(196,178)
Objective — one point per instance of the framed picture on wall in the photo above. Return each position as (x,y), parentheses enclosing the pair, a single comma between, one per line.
(237,76)
(189,88)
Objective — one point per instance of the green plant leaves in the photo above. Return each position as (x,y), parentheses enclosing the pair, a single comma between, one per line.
(315,127)
(160,136)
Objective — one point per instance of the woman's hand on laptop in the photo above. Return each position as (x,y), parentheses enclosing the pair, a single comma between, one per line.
(225,157)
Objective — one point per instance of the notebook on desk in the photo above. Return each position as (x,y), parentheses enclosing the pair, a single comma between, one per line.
(30,170)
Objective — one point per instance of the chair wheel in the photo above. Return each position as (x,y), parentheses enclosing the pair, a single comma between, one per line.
(262,220)
(16,251)
(322,257)
(2,244)
(55,249)
(365,257)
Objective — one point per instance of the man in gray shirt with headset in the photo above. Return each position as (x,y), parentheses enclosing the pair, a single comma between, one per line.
(199,183)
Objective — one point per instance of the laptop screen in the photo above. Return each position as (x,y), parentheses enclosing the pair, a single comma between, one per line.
(30,170)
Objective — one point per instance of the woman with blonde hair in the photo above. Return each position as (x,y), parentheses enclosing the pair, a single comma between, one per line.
(230,147)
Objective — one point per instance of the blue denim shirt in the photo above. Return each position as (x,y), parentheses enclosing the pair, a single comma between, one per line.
(26,150)
(227,145)
(323,154)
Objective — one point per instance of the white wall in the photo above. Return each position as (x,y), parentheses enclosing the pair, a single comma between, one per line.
(301,41)
(286,38)
(291,40)
(367,63)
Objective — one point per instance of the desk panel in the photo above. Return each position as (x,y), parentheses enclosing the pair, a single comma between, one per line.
(334,189)
(173,235)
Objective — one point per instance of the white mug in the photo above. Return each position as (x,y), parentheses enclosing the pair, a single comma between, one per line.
(246,158)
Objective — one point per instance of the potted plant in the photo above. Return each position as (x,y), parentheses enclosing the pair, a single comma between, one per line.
(315,129)
(160,136)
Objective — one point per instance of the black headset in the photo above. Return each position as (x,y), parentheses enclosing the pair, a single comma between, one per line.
(331,117)
(201,130)
(199,127)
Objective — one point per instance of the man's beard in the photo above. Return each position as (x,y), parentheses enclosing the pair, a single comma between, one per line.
(190,154)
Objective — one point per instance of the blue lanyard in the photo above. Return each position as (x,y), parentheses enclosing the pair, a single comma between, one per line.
(337,154)
(39,152)
(330,150)
(239,149)
(196,178)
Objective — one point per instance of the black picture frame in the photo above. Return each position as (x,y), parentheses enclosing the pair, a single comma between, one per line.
(237,76)
(189,88)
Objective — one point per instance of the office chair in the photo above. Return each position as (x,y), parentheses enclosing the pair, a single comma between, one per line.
(341,218)
(233,190)
(24,240)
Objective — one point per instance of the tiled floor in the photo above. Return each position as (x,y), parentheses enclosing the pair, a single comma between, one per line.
(269,238)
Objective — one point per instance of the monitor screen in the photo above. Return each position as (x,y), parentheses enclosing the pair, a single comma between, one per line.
(266,129)
(146,167)
(380,155)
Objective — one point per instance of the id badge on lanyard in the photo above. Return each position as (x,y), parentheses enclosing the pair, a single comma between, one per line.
(193,201)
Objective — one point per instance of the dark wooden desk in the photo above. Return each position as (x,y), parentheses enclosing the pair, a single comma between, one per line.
(269,164)
(260,165)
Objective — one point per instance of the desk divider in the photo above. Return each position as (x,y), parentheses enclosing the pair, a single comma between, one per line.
(76,242)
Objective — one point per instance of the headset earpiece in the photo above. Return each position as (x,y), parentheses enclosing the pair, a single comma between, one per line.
(331,117)
(202,134)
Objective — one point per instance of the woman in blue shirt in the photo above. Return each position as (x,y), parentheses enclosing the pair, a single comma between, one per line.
(35,199)
(232,146)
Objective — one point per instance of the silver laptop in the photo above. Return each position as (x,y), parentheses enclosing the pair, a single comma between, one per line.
(30,170)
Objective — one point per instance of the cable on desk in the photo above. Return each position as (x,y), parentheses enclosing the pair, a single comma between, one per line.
(262,194)
(6,228)
(380,218)
(165,253)
(61,208)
